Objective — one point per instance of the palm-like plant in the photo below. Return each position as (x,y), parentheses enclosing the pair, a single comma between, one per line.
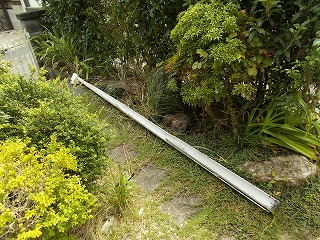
(294,128)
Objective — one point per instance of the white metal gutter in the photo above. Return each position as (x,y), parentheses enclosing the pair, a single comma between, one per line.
(242,186)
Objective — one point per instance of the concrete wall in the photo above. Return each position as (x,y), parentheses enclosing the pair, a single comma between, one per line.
(12,13)
(34,3)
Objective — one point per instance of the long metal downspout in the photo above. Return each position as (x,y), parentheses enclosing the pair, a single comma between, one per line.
(242,186)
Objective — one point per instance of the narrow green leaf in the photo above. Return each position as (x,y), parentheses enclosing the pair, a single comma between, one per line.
(284,141)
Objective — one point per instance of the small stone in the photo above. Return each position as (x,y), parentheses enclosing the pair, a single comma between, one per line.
(115,88)
(291,170)
(108,224)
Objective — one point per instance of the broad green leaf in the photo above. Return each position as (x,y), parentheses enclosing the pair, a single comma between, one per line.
(316,42)
(195,65)
(202,53)
(232,35)
(252,71)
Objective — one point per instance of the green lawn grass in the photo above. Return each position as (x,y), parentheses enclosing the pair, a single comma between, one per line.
(224,212)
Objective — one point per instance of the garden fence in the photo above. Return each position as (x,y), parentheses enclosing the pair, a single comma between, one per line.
(15,47)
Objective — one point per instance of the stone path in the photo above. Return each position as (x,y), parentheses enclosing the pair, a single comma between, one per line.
(123,154)
(149,178)
(181,208)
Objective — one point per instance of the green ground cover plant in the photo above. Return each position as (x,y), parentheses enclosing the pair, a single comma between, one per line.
(64,53)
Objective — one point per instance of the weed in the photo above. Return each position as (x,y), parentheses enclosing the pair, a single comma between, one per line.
(64,53)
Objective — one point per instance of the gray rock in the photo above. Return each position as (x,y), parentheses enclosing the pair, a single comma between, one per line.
(291,170)
(178,121)
(149,177)
(180,208)
(123,154)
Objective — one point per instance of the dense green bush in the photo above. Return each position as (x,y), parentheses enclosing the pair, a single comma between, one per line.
(146,26)
(37,199)
(35,108)
(234,58)
(207,52)
(117,29)
(80,18)
(253,51)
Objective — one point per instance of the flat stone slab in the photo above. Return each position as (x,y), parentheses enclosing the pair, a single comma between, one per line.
(149,177)
(290,170)
(181,208)
(123,154)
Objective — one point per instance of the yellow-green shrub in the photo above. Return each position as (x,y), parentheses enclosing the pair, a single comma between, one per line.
(37,198)
(35,108)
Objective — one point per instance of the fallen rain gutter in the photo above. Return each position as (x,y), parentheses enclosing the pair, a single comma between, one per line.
(242,186)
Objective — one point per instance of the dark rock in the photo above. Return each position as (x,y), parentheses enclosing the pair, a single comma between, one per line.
(291,170)
(32,21)
(178,121)
(114,88)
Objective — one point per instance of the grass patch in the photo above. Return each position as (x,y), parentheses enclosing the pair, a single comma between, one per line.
(224,211)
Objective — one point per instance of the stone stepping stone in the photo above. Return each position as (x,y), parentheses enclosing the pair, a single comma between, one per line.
(181,208)
(149,177)
(123,154)
(293,170)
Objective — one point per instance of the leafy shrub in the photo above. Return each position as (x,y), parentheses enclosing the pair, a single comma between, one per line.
(286,32)
(37,109)
(234,57)
(81,19)
(207,52)
(147,26)
(37,199)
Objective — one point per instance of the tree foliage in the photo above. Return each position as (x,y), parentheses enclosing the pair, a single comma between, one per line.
(80,18)
(252,50)
(118,29)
